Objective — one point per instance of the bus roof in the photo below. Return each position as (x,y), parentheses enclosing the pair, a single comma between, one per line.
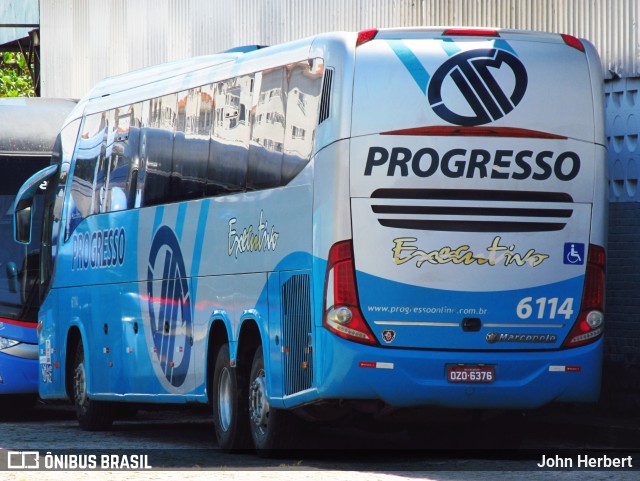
(30,125)
(157,73)
(187,73)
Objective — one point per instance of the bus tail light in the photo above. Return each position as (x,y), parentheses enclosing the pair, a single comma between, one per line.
(342,314)
(590,323)
(471,32)
(366,35)
(572,42)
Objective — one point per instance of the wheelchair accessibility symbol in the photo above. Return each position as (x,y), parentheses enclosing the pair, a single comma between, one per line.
(573,253)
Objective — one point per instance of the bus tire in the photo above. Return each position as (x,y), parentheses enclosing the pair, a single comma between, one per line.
(92,415)
(229,405)
(273,430)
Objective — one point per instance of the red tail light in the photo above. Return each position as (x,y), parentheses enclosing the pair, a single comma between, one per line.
(590,323)
(472,32)
(572,42)
(366,35)
(342,314)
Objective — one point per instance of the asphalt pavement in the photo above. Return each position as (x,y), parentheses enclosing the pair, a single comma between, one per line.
(374,452)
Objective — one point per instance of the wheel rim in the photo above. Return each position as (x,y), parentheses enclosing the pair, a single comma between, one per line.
(258,404)
(224,399)
(80,386)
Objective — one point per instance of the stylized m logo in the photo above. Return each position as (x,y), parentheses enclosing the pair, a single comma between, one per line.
(477,86)
(170,309)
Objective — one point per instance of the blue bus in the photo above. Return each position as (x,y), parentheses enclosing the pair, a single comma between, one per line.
(29,130)
(395,218)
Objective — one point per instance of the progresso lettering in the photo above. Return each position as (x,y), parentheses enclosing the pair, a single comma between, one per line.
(474,163)
(98,250)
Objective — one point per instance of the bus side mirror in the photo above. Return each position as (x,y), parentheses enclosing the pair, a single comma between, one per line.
(23,220)
(22,207)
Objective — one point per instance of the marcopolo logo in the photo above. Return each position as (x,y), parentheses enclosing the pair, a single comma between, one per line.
(169,309)
(494,337)
(477,87)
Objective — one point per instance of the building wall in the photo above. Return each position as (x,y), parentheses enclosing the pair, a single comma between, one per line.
(17,12)
(622,334)
(84,41)
(623,126)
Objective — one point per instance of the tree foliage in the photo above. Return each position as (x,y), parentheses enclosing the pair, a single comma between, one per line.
(15,80)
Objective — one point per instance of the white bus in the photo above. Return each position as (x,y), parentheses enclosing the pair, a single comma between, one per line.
(390,218)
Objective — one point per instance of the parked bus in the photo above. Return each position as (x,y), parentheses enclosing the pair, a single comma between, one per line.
(391,218)
(29,130)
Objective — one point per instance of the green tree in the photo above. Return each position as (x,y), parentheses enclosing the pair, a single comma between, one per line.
(15,80)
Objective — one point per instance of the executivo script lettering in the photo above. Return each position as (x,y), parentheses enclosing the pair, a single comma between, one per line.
(496,254)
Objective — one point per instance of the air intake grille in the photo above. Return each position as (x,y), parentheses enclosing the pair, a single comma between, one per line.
(296,334)
(472,210)
(325,101)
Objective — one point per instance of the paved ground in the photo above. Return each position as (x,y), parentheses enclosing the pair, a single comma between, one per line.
(387,455)
(325,475)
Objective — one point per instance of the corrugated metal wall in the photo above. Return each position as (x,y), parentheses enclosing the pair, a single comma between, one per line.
(86,40)
(17,12)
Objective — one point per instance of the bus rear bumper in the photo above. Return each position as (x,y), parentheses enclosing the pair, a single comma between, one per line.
(403,378)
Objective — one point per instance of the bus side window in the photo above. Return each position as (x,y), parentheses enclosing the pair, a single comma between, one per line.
(130,153)
(123,169)
(267,133)
(229,150)
(157,138)
(142,122)
(191,145)
(303,102)
(88,157)
(104,165)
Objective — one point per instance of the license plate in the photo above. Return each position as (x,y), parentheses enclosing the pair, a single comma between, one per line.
(470,373)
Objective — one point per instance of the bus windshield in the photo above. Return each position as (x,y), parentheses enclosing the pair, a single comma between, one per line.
(18,262)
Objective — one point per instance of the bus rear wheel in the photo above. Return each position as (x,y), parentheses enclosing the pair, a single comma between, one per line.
(272,430)
(229,404)
(92,415)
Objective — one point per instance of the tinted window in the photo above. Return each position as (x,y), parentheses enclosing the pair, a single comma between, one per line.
(229,151)
(303,101)
(191,144)
(101,197)
(156,149)
(117,173)
(267,138)
(246,133)
(124,163)
(90,154)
